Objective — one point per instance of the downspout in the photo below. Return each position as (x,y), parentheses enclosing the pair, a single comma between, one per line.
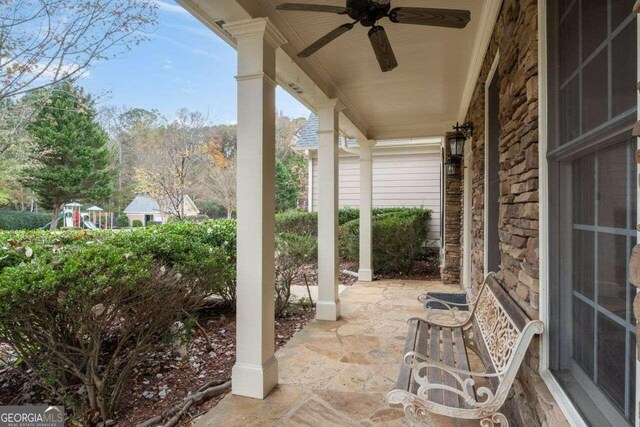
(346,148)
(309,181)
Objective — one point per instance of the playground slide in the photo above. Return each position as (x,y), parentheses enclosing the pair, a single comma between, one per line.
(89,225)
(61,218)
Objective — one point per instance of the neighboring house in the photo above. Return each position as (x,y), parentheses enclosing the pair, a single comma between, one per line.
(146,209)
(406,173)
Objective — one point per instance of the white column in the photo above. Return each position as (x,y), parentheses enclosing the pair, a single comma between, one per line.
(328,306)
(365,273)
(256,370)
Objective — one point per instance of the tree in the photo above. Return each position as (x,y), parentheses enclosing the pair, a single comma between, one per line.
(287,188)
(70,154)
(172,164)
(45,42)
(287,130)
(291,166)
(129,131)
(222,177)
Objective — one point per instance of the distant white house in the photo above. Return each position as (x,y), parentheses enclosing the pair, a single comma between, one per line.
(147,209)
(406,173)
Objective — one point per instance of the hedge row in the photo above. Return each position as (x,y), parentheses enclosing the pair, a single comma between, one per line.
(399,234)
(81,308)
(306,223)
(23,220)
(398,239)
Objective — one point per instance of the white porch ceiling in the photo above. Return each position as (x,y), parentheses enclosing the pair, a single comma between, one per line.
(424,96)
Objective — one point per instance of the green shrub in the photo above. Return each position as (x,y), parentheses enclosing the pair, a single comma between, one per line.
(293,253)
(136,223)
(212,209)
(398,238)
(306,223)
(219,234)
(122,221)
(81,308)
(23,220)
(398,241)
(348,214)
(297,222)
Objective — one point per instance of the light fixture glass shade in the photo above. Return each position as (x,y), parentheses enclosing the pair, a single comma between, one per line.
(452,168)
(456,144)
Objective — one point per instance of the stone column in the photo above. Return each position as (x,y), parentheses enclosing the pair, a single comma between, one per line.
(365,273)
(255,373)
(452,222)
(328,306)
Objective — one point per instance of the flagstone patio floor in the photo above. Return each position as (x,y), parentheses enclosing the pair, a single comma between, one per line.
(338,373)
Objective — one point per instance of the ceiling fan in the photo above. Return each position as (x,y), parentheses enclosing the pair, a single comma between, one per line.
(368,13)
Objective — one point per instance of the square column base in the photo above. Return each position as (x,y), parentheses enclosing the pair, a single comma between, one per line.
(254,381)
(328,310)
(365,275)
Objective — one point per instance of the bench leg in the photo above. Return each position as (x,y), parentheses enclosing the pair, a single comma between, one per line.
(495,419)
(415,412)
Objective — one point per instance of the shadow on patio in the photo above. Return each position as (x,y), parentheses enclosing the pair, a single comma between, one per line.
(337,373)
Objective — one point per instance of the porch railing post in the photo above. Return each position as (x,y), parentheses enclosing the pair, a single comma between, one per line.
(328,305)
(365,272)
(255,373)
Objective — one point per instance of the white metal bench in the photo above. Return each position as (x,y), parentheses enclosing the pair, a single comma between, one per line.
(435,375)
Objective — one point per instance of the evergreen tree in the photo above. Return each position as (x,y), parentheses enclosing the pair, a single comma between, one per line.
(287,188)
(72,161)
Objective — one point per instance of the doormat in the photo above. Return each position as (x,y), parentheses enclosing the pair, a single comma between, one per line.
(451,298)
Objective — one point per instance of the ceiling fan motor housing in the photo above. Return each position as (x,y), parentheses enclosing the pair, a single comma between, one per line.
(367,12)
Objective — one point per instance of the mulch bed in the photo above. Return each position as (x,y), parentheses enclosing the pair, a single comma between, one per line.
(166,376)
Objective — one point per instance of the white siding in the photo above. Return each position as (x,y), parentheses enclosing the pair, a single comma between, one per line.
(399,180)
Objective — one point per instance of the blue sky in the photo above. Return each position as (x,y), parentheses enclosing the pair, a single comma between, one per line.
(182,65)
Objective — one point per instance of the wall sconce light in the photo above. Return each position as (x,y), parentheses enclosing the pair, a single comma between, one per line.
(459,137)
(453,166)
(456,145)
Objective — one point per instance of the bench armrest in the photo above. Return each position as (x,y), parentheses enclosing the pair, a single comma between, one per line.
(464,380)
(451,317)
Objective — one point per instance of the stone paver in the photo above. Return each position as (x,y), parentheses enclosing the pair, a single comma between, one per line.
(338,373)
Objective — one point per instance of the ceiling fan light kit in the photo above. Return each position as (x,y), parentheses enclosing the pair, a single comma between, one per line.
(368,13)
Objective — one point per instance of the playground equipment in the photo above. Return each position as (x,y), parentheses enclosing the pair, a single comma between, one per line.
(95,218)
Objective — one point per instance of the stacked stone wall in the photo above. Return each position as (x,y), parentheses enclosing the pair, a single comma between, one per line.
(452,224)
(515,37)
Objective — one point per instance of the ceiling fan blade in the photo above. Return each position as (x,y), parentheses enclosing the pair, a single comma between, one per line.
(451,18)
(382,48)
(322,42)
(303,7)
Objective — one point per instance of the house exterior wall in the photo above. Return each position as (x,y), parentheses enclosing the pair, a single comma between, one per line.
(515,38)
(133,217)
(399,180)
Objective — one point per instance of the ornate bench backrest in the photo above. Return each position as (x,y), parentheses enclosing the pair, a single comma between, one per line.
(501,323)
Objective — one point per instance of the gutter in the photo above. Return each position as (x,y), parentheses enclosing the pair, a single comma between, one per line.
(346,148)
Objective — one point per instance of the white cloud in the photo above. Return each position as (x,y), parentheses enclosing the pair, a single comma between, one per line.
(196,29)
(171,8)
(50,72)
(187,48)
(167,65)
(186,86)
